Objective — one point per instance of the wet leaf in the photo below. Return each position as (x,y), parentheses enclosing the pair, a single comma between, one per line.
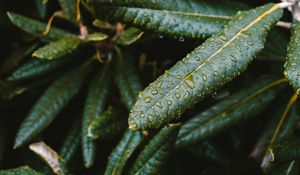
(23,170)
(37,28)
(57,48)
(234,109)
(69,9)
(185,18)
(216,62)
(130,36)
(97,37)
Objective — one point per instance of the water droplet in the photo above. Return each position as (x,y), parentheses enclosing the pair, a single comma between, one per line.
(169,102)
(142,115)
(189,81)
(204,77)
(177,95)
(178,76)
(148,99)
(250,43)
(150,118)
(216,73)
(158,104)
(211,45)
(159,84)
(233,58)
(239,48)
(140,94)
(223,37)
(197,58)
(133,126)
(298,74)
(154,92)
(187,95)
(132,116)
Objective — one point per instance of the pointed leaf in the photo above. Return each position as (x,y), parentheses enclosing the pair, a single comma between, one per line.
(54,99)
(35,68)
(130,36)
(127,80)
(154,155)
(292,68)
(237,108)
(122,152)
(97,37)
(37,28)
(23,170)
(109,123)
(57,48)
(184,18)
(217,61)
(94,106)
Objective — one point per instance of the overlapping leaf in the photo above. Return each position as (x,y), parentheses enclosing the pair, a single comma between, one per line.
(292,68)
(118,157)
(154,155)
(217,61)
(130,36)
(109,123)
(127,80)
(57,48)
(180,18)
(94,106)
(54,99)
(37,28)
(232,110)
(96,37)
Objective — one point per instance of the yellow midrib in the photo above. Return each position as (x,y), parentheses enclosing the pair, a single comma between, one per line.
(275,7)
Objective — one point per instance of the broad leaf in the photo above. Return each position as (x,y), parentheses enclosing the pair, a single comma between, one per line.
(154,155)
(35,68)
(130,36)
(23,170)
(217,61)
(127,80)
(109,123)
(119,156)
(232,110)
(183,18)
(52,101)
(292,68)
(37,28)
(94,106)
(57,48)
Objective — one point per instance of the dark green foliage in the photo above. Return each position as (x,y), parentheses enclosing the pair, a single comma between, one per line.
(217,61)
(152,158)
(72,74)
(94,106)
(54,99)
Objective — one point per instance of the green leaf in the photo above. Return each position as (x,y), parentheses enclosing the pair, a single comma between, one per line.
(37,28)
(94,106)
(110,122)
(122,152)
(232,110)
(103,24)
(292,69)
(52,101)
(127,80)
(23,170)
(217,61)
(97,37)
(57,48)
(35,68)
(41,8)
(183,18)
(9,91)
(71,142)
(69,9)
(130,36)
(286,129)
(290,168)
(154,155)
